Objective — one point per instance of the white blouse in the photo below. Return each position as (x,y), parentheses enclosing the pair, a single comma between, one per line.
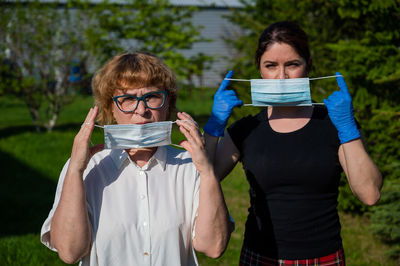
(139,216)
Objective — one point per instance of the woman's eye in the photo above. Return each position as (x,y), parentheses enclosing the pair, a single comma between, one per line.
(127,100)
(269,66)
(294,64)
(151,97)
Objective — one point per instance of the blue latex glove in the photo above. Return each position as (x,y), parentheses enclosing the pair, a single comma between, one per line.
(224,101)
(340,111)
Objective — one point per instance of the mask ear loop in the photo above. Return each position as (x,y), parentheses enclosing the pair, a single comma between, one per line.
(326,77)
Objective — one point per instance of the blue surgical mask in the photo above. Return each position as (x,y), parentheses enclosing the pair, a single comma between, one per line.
(128,136)
(280,92)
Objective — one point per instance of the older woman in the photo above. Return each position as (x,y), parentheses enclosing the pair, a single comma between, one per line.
(293,157)
(147,205)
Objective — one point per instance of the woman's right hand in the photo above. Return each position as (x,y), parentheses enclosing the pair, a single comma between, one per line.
(81,153)
(224,102)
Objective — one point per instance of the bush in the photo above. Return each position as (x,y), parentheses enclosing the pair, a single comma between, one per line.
(385,220)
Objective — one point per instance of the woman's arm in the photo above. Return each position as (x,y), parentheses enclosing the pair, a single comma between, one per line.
(223,154)
(70,231)
(213,226)
(363,175)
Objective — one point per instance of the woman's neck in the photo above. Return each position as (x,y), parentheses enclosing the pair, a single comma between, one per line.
(285,119)
(141,156)
(289,112)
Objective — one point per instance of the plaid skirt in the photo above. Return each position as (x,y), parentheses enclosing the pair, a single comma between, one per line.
(250,258)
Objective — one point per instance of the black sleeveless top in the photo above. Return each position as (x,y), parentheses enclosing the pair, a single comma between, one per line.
(294,179)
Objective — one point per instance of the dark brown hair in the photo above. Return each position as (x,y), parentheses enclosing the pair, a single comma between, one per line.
(284,32)
(131,70)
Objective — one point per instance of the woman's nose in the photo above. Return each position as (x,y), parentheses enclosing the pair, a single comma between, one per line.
(283,74)
(141,108)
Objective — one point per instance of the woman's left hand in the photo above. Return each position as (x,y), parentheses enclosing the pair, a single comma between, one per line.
(194,142)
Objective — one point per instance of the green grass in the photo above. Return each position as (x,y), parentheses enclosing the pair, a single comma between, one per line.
(31,163)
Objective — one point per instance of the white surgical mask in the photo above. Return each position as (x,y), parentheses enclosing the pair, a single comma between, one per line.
(128,136)
(281,92)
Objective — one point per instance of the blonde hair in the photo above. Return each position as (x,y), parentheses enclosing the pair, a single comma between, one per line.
(131,70)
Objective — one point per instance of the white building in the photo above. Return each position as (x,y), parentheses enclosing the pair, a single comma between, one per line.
(211,17)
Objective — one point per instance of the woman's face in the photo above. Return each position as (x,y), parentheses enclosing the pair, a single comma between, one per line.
(142,114)
(281,61)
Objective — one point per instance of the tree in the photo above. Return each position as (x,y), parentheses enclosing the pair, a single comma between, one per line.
(36,57)
(41,40)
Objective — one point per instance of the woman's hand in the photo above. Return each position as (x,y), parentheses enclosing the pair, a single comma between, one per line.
(195,143)
(81,153)
(340,111)
(224,102)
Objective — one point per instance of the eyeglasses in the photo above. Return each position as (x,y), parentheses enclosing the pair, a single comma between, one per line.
(129,103)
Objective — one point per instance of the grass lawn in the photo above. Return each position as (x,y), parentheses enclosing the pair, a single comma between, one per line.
(31,163)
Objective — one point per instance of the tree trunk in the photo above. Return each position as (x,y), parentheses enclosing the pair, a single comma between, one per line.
(35,118)
(52,122)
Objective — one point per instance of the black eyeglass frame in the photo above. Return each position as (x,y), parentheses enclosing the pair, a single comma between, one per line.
(142,98)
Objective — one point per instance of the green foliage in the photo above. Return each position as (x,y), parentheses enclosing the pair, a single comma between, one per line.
(386,216)
(153,26)
(35,59)
(41,41)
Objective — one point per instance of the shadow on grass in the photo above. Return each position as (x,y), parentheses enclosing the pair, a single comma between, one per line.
(15,130)
(26,197)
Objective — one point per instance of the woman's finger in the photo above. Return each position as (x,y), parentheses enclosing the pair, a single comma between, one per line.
(88,125)
(186,133)
(186,117)
(191,132)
